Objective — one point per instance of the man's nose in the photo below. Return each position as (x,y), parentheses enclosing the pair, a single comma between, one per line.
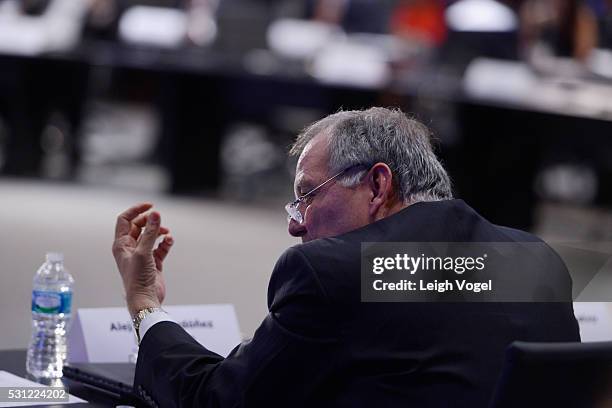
(296,229)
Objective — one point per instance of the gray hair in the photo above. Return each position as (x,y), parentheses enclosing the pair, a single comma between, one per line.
(382,135)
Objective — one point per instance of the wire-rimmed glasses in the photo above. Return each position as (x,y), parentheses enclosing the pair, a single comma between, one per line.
(293,208)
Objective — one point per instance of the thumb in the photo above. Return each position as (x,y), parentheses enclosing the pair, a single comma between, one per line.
(150,233)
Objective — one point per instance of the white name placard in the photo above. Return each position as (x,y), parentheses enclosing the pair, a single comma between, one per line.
(105,335)
(595,320)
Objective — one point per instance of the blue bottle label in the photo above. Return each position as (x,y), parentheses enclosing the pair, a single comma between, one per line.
(51,302)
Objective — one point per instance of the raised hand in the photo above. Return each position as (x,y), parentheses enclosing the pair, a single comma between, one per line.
(139,263)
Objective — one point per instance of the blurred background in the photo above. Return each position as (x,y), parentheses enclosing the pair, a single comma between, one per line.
(192,104)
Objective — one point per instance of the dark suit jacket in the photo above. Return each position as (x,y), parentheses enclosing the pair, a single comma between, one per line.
(321,346)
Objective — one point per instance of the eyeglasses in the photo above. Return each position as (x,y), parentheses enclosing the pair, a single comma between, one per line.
(292,208)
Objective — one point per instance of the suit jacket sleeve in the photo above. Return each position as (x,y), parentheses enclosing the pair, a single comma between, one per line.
(291,350)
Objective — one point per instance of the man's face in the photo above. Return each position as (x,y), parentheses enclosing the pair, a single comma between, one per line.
(333,209)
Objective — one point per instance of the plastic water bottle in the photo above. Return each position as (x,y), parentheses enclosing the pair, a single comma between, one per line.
(51,304)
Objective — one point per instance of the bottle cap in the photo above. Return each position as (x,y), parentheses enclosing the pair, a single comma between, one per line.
(55,257)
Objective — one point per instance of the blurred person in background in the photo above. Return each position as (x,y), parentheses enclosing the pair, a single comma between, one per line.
(417,20)
(604,17)
(361,16)
(420,20)
(102,19)
(602,11)
(361,176)
(562,28)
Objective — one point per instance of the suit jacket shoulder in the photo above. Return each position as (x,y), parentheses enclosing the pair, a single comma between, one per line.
(297,298)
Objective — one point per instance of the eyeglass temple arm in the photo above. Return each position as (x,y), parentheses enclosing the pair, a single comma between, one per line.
(300,198)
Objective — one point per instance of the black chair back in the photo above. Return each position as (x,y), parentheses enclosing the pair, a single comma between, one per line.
(564,375)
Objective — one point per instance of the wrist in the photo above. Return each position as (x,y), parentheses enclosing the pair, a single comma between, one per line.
(140,316)
(137,303)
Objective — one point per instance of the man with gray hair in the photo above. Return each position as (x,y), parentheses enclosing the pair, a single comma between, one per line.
(362,176)
(380,142)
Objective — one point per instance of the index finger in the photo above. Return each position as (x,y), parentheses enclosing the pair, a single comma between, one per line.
(124,220)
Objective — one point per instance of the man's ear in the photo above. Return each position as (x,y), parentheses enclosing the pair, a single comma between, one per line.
(382,192)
